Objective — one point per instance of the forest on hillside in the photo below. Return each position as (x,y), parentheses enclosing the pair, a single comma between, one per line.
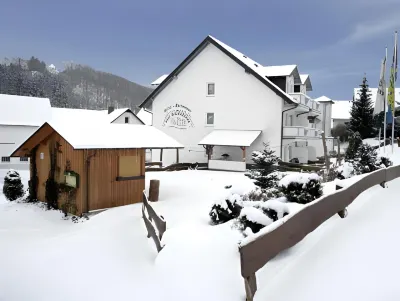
(77,86)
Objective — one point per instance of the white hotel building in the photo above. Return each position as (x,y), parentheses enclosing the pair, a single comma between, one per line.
(221,105)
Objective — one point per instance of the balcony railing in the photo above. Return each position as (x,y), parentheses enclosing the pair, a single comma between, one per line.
(301,131)
(305,100)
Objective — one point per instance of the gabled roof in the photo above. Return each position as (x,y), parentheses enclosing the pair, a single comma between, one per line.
(145,116)
(63,115)
(284,70)
(105,136)
(24,110)
(159,80)
(305,80)
(248,64)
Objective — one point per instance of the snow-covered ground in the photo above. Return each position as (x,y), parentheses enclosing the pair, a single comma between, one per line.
(43,257)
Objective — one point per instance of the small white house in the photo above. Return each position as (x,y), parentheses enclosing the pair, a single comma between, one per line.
(20,116)
(222,105)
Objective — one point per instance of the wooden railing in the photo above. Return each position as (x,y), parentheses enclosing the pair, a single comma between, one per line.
(255,254)
(159,222)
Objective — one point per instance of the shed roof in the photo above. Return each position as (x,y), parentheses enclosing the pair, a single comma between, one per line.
(105,136)
(230,138)
(24,110)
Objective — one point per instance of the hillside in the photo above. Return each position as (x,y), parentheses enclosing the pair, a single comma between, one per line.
(77,86)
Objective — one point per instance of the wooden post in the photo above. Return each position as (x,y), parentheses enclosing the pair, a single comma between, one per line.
(338,156)
(327,163)
(250,284)
(154,190)
(161,153)
(177,155)
(244,153)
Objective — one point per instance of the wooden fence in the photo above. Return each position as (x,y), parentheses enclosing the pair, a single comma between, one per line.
(159,222)
(255,254)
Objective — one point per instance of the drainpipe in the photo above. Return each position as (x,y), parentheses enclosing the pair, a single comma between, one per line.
(88,157)
(296,105)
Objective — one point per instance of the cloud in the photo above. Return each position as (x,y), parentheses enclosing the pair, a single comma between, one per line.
(370,30)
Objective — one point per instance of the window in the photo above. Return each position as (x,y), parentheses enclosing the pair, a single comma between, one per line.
(5,159)
(210,89)
(23,159)
(210,119)
(126,119)
(296,89)
(129,167)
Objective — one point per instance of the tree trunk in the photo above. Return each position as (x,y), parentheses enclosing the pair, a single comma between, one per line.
(327,163)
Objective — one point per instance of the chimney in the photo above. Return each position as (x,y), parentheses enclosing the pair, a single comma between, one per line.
(110,110)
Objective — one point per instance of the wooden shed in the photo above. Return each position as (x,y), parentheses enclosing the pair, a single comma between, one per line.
(95,167)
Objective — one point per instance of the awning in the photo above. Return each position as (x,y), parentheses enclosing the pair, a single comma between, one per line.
(230,138)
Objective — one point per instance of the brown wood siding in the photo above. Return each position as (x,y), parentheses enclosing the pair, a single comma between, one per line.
(104,189)
(66,153)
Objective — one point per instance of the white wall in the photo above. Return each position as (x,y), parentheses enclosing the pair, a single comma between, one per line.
(326,117)
(11,137)
(303,89)
(290,84)
(241,102)
(132,118)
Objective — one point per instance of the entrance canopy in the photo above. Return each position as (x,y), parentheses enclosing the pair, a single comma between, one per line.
(230,138)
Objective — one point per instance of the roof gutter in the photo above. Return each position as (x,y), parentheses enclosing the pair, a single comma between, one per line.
(296,105)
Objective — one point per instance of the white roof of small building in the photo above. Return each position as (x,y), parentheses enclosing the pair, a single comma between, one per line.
(24,110)
(106,136)
(145,116)
(63,115)
(159,80)
(341,109)
(323,99)
(230,138)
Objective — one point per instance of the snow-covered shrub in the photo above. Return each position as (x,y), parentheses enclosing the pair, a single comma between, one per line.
(301,187)
(252,218)
(354,143)
(274,208)
(226,209)
(365,160)
(265,163)
(383,161)
(13,188)
(345,171)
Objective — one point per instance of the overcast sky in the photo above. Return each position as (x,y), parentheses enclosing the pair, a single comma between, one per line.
(336,41)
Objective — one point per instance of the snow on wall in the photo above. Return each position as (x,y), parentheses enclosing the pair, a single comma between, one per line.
(241,102)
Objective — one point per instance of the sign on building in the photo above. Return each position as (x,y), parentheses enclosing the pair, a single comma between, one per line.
(178,116)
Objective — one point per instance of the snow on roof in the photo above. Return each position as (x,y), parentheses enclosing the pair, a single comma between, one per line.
(284,70)
(323,99)
(159,80)
(230,138)
(24,110)
(306,80)
(256,67)
(341,109)
(145,116)
(63,115)
(93,136)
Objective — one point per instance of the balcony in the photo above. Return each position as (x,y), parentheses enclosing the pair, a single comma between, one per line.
(305,100)
(300,131)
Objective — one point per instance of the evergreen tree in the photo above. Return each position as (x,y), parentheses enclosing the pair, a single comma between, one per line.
(265,162)
(362,119)
(354,143)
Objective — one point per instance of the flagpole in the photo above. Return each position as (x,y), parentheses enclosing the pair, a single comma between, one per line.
(394,92)
(385,110)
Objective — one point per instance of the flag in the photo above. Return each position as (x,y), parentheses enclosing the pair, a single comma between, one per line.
(380,96)
(393,78)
